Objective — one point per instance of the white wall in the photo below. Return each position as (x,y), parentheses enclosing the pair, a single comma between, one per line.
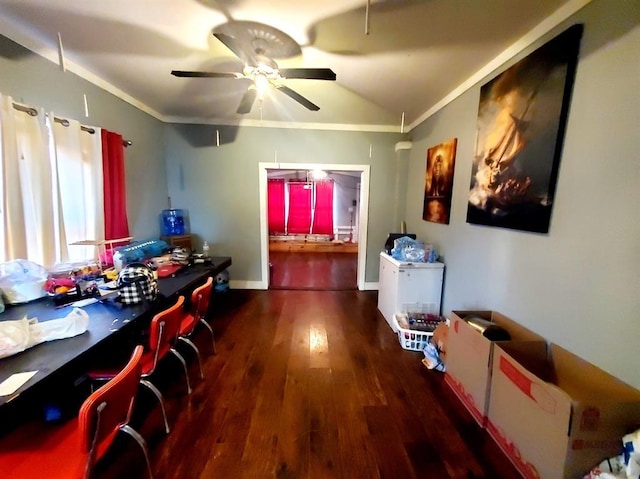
(578,285)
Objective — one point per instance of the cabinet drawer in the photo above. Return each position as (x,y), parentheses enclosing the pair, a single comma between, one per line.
(182,241)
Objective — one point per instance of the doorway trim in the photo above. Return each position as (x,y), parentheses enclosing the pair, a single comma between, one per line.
(363,213)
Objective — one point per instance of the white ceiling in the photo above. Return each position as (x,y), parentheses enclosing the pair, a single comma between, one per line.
(416,53)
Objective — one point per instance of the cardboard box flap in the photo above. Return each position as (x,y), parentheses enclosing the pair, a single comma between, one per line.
(514,360)
(523,409)
(534,357)
(516,330)
(585,381)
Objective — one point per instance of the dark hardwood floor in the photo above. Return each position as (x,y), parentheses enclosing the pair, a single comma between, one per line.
(313,271)
(306,384)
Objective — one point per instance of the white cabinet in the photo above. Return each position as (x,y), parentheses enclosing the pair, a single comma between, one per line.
(402,283)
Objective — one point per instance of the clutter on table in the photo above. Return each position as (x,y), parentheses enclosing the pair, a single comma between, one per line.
(22,281)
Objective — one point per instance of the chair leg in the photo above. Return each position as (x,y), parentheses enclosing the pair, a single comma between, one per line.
(196,350)
(158,394)
(143,445)
(213,341)
(184,366)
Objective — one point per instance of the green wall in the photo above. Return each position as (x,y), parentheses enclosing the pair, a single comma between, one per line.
(218,185)
(28,78)
(578,285)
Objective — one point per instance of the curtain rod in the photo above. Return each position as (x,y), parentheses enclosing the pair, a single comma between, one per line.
(63,121)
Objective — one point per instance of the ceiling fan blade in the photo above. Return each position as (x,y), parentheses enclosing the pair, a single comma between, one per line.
(299,98)
(234,45)
(308,73)
(247,101)
(190,74)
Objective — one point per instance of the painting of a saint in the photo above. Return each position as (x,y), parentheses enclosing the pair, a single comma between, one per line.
(438,185)
(521,121)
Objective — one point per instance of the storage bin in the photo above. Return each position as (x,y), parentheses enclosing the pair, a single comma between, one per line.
(410,339)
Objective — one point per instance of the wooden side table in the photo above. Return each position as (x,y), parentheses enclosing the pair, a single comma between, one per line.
(182,241)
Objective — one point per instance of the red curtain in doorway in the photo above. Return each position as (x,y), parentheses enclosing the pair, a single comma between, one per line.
(299,220)
(323,211)
(115,194)
(275,205)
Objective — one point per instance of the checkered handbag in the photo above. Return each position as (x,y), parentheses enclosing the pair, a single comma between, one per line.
(137,284)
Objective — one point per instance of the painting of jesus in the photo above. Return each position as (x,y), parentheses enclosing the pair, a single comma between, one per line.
(439,182)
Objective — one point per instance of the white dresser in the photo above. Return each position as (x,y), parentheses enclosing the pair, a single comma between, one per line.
(402,283)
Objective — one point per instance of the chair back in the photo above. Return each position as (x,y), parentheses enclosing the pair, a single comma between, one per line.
(163,332)
(200,299)
(108,408)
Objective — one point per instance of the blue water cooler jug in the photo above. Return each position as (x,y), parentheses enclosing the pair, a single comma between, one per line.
(173,222)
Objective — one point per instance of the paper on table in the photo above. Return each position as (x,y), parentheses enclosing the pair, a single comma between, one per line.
(84,302)
(13,382)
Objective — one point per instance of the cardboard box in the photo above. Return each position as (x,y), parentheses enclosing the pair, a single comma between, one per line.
(440,339)
(469,358)
(555,415)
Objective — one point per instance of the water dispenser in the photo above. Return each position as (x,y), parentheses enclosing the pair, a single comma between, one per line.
(173,222)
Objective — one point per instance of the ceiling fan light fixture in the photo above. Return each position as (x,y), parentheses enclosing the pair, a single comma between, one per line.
(262,85)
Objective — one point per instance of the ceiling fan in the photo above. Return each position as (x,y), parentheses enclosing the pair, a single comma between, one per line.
(257,45)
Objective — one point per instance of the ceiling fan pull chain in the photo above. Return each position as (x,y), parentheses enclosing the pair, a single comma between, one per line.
(61,60)
(366,18)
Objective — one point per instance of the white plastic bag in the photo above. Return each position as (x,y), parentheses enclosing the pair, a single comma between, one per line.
(14,337)
(21,334)
(71,325)
(22,281)
(624,466)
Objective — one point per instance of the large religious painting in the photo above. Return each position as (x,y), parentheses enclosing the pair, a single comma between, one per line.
(521,123)
(438,184)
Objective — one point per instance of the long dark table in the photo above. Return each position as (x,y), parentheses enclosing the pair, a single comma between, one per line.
(107,320)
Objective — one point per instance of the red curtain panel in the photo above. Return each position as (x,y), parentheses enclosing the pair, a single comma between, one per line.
(323,211)
(275,201)
(299,221)
(115,194)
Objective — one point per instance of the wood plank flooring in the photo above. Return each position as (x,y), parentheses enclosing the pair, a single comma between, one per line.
(313,271)
(311,247)
(306,384)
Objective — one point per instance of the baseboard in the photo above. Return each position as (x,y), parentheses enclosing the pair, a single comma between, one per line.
(237,284)
(370,286)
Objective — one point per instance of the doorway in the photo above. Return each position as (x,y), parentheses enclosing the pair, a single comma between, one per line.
(360,219)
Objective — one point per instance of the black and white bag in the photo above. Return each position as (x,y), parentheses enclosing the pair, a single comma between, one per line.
(137,284)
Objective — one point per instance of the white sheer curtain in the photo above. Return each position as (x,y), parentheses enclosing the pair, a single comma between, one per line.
(51,187)
(27,188)
(78,172)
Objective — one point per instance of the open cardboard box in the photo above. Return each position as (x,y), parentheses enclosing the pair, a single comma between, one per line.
(554,414)
(469,358)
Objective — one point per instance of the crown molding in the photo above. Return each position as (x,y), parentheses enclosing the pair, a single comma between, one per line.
(284,124)
(537,32)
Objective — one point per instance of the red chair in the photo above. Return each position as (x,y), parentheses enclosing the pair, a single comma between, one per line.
(163,334)
(197,313)
(72,450)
